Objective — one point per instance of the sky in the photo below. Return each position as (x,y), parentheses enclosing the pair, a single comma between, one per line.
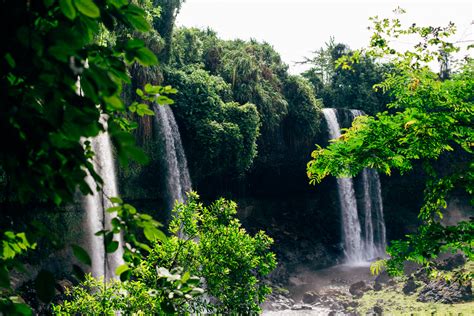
(296,28)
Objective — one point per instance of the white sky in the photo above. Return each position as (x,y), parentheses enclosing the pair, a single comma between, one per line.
(296,28)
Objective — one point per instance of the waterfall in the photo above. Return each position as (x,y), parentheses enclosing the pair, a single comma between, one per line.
(96,205)
(360,242)
(374,224)
(178,181)
(351,230)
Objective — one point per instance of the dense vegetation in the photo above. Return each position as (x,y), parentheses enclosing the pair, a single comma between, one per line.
(48,116)
(347,88)
(213,77)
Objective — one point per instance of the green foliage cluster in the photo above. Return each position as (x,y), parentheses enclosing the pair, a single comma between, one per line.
(48,47)
(433,123)
(210,243)
(208,248)
(63,67)
(221,136)
(303,109)
(12,246)
(130,297)
(245,72)
(347,87)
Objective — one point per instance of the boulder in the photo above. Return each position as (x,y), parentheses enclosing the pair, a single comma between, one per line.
(383,278)
(310,297)
(410,286)
(453,262)
(375,311)
(359,288)
(422,275)
(377,286)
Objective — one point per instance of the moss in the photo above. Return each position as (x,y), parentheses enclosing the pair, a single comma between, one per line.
(394,302)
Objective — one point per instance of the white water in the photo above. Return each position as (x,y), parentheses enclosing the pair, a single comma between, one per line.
(351,230)
(178,181)
(96,205)
(374,239)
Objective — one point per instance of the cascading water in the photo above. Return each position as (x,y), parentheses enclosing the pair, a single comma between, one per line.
(366,242)
(374,224)
(178,181)
(97,218)
(351,229)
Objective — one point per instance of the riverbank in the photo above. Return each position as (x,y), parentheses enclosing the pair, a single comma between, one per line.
(352,290)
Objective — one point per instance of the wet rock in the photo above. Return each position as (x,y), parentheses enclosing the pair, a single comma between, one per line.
(278,300)
(383,278)
(422,275)
(375,311)
(358,289)
(310,297)
(446,292)
(377,286)
(410,286)
(453,262)
(410,267)
(63,285)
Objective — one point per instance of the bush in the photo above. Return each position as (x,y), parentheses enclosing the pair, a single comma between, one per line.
(214,246)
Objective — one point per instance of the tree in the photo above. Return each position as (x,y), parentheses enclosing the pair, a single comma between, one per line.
(208,241)
(50,49)
(347,88)
(433,124)
(165,24)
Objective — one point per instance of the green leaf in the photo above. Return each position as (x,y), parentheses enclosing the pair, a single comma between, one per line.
(68,9)
(44,285)
(124,276)
(115,102)
(112,246)
(4,277)
(88,8)
(136,17)
(22,309)
(185,277)
(162,100)
(118,3)
(153,233)
(113,209)
(146,57)
(81,255)
(116,200)
(143,109)
(121,269)
(10,60)
(134,43)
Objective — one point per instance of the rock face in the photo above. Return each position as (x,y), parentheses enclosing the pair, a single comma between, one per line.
(444,292)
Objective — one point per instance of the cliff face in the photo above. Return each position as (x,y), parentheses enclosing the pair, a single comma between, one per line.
(276,196)
(304,220)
